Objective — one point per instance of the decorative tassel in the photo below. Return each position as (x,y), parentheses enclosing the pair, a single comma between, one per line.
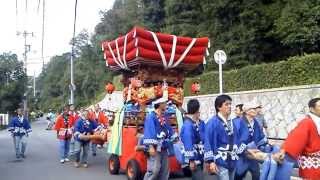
(136,43)
(135,33)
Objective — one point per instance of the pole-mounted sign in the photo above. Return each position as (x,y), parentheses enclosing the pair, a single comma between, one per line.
(220,58)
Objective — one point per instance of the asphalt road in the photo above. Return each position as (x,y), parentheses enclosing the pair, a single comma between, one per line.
(42,160)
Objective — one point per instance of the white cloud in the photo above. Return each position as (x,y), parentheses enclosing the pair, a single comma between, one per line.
(58,26)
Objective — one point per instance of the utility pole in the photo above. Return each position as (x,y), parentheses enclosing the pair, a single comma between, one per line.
(27,48)
(34,83)
(72,86)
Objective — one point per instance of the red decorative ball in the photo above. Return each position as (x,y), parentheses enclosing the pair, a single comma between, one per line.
(110,88)
(195,88)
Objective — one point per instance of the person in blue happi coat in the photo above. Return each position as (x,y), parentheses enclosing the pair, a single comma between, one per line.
(239,113)
(157,135)
(192,137)
(20,129)
(83,127)
(250,135)
(222,145)
(258,150)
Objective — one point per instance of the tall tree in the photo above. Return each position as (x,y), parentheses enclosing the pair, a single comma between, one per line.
(153,14)
(13,82)
(299,26)
(182,17)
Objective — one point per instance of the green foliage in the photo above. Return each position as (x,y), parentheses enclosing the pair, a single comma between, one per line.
(12,80)
(298,70)
(180,16)
(90,76)
(251,32)
(117,83)
(153,14)
(299,26)
(117,21)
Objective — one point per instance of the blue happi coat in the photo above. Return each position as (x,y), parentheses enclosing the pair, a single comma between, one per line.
(19,126)
(252,137)
(222,144)
(157,134)
(84,126)
(192,137)
(250,133)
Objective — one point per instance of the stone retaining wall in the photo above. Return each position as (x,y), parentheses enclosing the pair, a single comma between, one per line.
(283,107)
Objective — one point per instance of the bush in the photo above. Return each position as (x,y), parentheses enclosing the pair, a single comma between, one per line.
(117,82)
(297,70)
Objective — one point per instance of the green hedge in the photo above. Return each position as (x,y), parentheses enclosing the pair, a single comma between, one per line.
(117,82)
(298,70)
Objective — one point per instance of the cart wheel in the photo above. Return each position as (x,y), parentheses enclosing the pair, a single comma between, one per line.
(113,164)
(133,170)
(187,172)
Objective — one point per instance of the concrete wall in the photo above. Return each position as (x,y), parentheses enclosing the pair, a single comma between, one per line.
(283,107)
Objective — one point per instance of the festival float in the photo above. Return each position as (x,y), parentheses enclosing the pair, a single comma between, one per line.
(153,65)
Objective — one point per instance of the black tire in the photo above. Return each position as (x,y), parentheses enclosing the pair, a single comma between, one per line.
(187,172)
(113,164)
(133,170)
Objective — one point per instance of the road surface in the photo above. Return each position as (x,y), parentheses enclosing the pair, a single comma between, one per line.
(42,160)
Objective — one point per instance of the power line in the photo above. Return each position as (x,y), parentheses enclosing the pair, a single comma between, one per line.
(40,58)
(38,6)
(30,63)
(42,39)
(16,15)
(16,7)
(26,6)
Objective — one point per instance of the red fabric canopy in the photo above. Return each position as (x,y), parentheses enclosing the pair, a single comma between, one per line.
(140,46)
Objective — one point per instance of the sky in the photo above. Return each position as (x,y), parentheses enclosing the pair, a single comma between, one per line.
(59,16)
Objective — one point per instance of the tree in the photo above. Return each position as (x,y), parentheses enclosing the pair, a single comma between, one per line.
(251,32)
(299,26)
(12,80)
(54,83)
(90,76)
(182,17)
(153,14)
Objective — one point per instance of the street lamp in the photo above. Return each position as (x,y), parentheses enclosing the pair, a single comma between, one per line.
(220,58)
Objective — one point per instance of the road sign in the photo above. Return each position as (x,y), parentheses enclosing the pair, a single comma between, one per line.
(220,57)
